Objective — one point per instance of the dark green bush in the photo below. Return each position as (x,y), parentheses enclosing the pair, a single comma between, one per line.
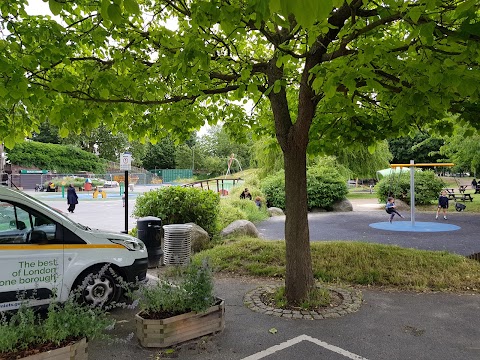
(324,186)
(180,205)
(427,187)
(61,158)
(273,187)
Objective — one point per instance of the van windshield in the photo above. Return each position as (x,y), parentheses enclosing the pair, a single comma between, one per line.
(59,213)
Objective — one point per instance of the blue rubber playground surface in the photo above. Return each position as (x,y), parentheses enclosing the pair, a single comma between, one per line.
(417,227)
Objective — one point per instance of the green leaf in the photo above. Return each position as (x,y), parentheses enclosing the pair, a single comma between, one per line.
(465,6)
(131,6)
(63,132)
(104,93)
(317,83)
(277,86)
(104,9)
(273,331)
(252,88)
(415,13)
(55,7)
(115,14)
(275,6)
(245,74)
(279,62)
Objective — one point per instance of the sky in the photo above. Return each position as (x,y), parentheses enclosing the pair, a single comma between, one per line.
(38,7)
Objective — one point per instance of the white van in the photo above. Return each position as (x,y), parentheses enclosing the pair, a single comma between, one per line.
(44,255)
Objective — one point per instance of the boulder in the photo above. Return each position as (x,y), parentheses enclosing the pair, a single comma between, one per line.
(342,206)
(275,211)
(200,238)
(402,205)
(240,227)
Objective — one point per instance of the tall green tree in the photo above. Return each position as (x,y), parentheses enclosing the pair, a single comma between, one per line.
(218,143)
(463,149)
(47,134)
(361,71)
(422,148)
(160,155)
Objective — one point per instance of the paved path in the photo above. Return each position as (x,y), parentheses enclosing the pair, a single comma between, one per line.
(388,325)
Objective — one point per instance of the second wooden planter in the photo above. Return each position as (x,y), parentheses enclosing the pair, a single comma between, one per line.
(77,351)
(180,328)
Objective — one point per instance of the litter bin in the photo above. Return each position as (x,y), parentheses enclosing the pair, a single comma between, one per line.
(150,231)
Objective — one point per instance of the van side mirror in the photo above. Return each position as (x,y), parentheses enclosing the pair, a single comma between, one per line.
(20,225)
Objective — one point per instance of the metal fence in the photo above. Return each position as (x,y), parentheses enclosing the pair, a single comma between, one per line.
(31,181)
(172,175)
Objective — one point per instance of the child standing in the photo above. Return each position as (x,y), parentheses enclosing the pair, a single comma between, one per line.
(390,208)
(442,204)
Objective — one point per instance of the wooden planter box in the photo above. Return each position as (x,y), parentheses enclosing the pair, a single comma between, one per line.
(77,351)
(180,328)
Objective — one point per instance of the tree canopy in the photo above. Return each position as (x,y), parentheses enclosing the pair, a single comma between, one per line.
(360,71)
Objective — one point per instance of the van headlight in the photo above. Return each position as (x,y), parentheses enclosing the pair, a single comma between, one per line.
(130,244)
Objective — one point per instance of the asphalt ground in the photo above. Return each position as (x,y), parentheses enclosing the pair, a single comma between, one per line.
(355,226)
(388,325)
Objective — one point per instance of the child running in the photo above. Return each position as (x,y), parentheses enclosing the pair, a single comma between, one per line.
(442,204)
(390,208)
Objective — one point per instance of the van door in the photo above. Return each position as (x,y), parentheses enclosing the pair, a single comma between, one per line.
(31,254)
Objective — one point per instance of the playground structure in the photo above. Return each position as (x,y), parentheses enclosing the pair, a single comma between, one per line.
(412,167)
(230,161)
(420,226)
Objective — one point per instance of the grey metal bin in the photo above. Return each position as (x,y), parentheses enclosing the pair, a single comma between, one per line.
(149,230)
(177,244)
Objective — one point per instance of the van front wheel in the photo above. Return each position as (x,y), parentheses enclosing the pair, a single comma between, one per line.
(98,287)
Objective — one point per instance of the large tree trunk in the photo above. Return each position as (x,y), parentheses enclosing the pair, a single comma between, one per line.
(293,139)
(299,275)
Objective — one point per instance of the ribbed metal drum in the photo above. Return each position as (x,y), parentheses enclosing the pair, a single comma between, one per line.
(177,244)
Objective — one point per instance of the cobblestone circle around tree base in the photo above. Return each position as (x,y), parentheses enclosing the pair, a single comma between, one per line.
(351,302)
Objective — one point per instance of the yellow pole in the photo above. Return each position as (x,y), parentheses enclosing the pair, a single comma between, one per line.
(421,165)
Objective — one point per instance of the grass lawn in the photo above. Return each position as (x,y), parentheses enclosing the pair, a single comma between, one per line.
(352,263)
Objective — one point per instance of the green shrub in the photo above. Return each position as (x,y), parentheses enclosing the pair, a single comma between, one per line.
(26,330)
(253,213)
(62,158)
(273,187)
(180,205)
(192,291)
(232,209)
(228,213)
(324,186)
(427,187)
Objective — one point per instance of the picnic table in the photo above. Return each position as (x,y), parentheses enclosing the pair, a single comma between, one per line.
(462,188)
(461,197)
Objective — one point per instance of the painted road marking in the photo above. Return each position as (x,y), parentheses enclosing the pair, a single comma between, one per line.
(298,339)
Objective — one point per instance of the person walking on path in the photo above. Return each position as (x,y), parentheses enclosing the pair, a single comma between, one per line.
(390,208)
(474,184)
(72,198)
(442,204)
